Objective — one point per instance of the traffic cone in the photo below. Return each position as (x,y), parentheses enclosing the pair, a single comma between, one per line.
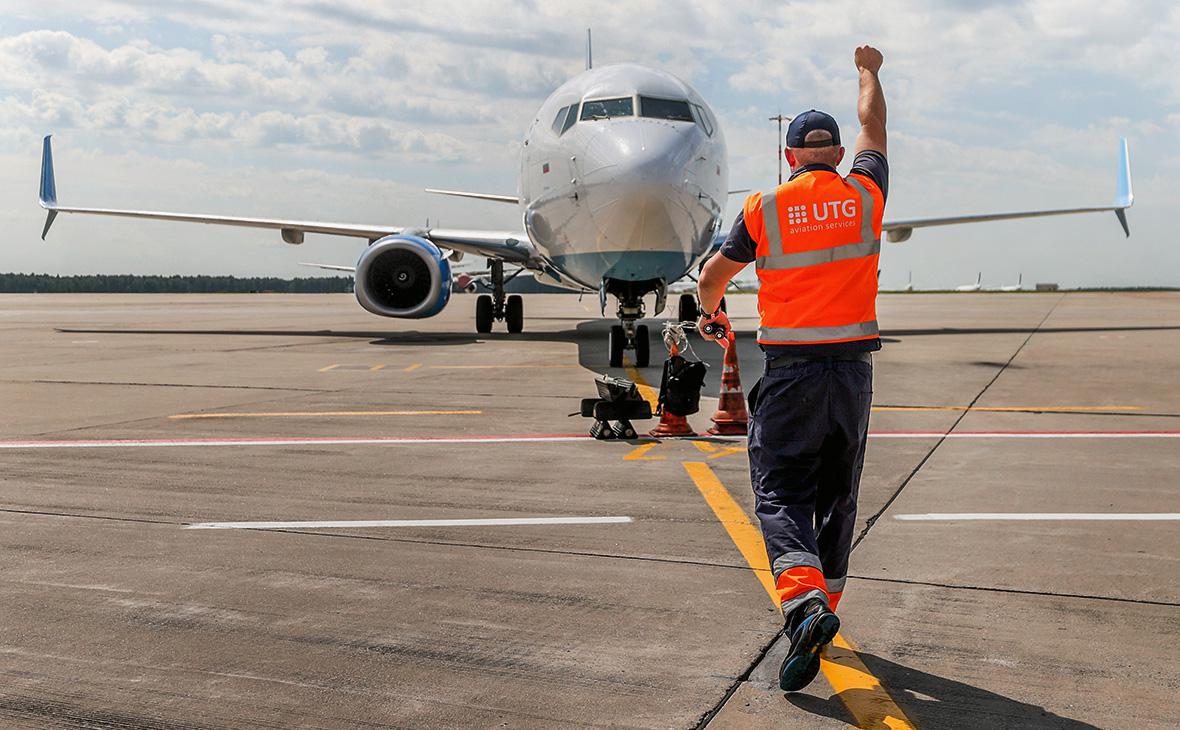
(730,418)
(670,424)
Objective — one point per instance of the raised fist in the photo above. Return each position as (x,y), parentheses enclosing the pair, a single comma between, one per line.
(868,59)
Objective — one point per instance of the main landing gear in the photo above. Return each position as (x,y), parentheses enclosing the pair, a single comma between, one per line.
(497,306)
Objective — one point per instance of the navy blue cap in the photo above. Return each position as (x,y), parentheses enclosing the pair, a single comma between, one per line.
(812,121)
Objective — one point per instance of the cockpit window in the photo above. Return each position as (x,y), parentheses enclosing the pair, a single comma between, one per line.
(569,119)
(705,120)
(559,120)
(607,109)
(675,110)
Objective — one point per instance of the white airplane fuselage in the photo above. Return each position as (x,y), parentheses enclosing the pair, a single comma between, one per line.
(609,196)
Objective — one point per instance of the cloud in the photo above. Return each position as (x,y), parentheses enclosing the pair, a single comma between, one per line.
(996,105)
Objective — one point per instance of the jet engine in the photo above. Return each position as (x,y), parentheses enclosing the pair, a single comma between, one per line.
(403,276)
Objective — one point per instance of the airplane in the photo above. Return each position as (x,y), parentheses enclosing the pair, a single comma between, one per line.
(1019,284)
(622,187)
(977,286)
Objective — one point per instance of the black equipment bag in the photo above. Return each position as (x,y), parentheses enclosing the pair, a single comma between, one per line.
(680,387)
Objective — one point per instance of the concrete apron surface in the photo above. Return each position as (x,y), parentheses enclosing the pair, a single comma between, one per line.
(629,599)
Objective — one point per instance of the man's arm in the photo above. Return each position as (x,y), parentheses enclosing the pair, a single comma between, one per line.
(715,277)
(871,106)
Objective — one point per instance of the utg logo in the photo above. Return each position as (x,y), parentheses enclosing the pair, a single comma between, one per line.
(796,214)
(834,209)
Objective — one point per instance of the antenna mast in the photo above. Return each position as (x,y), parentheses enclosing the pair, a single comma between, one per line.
(589,51)
(779,144)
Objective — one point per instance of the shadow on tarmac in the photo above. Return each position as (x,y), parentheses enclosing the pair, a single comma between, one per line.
(932,701)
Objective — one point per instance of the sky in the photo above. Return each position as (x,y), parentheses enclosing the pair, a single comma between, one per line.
(344,110)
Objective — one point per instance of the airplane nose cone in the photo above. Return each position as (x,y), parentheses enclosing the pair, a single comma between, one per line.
(638,189)
(645,149)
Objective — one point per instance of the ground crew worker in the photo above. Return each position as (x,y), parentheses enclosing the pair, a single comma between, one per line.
(814,240)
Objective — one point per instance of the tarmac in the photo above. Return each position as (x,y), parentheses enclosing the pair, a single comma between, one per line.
(1018,563)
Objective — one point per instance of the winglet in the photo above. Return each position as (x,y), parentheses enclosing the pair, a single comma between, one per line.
(1124,194)
(48,194)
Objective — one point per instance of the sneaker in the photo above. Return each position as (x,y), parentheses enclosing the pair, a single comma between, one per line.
(812,626)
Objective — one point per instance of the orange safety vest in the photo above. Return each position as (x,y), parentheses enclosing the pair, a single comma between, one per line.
(818,239)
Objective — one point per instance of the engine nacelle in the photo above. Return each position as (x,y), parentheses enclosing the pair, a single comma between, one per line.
(403,276)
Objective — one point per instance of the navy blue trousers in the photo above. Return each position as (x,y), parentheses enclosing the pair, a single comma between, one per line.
(809,422)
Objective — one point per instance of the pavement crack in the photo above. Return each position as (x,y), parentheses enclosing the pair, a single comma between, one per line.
(169,385)
(913,473)
(511,548)
(744,677)
(76,516)
(1017,591)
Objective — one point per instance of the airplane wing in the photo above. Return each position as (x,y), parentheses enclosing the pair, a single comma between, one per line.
(898,231)
(330,267)
(478,196)
(504,245)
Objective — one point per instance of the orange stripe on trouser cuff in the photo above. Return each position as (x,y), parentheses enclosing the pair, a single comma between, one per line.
(796,581)
(834,599)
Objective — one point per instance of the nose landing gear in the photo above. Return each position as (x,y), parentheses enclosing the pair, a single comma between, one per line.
(497,306)
(628,334)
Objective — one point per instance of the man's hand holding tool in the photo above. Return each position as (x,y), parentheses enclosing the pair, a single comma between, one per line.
(716,327)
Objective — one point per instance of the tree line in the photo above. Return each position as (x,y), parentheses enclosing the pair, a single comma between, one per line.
(13,283)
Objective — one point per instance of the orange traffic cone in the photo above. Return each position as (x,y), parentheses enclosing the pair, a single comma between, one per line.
(730,418)
(670,424)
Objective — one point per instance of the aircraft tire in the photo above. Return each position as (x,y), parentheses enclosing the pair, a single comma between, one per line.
(688,308)
(617,342)
(642,347)
(484,313)
(514,313)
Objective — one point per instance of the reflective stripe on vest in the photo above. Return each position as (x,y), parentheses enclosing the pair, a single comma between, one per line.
(818,334)
(868,245)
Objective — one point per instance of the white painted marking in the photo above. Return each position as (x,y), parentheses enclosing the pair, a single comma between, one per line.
(1037,516)
(487,522)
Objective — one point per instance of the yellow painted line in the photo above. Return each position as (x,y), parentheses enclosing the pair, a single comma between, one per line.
(860,691)
(650,394)
(412,368)
(728,451)
(321,414)
(745,536)
(1013,409)
(330,367)
(375,368)
(639,453)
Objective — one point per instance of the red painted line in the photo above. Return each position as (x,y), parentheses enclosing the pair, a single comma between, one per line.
(1027,434)
(288,441)
(395,440)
